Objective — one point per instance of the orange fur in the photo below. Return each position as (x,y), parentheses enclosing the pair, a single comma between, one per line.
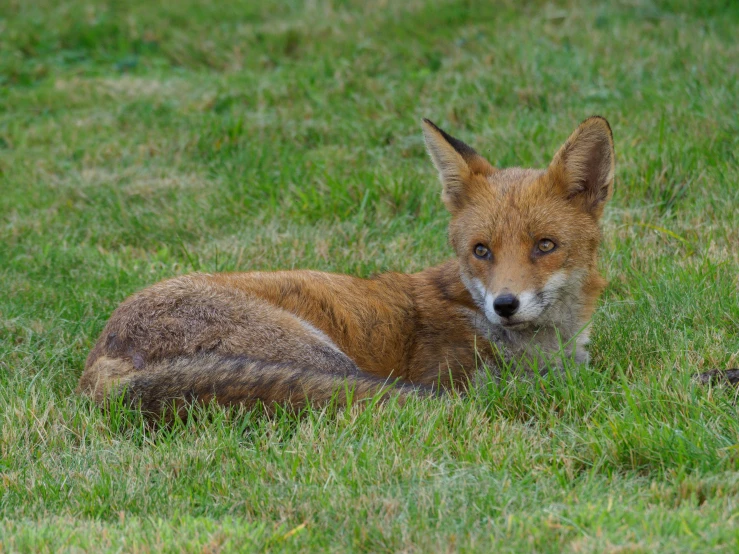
(302,336)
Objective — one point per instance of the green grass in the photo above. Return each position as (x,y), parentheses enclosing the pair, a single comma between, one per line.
(145,139)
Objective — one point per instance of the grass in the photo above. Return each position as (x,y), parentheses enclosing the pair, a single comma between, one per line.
(141,140)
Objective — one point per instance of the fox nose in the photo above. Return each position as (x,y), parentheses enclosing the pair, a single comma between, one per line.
(505,305)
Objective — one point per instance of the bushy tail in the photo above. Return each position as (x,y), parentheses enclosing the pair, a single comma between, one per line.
(172,385)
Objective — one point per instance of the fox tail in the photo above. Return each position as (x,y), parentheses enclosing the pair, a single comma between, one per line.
(173,384)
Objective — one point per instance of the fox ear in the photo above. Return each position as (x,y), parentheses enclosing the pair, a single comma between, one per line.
(456,163)
(583,167)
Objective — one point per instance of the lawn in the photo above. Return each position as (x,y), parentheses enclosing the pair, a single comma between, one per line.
(145,139)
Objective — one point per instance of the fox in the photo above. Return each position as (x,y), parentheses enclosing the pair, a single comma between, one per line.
(520,292)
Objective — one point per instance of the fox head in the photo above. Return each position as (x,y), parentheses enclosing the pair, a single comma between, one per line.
(527,239)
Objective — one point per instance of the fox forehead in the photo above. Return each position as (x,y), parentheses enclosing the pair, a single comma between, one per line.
(517,205)
(513,178)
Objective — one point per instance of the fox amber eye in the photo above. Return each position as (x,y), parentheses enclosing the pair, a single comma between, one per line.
(545,245)
(481,251)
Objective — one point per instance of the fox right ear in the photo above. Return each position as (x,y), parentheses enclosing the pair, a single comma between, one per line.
(584,166)
(456,163)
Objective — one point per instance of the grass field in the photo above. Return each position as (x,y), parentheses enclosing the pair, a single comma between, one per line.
(145,139)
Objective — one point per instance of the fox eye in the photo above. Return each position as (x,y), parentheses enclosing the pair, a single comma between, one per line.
(482,252)
(545,245)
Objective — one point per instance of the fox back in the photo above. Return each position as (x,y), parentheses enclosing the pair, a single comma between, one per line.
(521,291)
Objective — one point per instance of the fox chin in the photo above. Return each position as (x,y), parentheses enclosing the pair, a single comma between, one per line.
(519,292)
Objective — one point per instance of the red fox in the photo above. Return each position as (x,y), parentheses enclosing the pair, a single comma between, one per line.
(521,290)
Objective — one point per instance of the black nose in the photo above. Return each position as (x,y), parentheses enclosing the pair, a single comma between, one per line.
(505,305)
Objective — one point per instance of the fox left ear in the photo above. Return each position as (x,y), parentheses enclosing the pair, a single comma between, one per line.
(583,167)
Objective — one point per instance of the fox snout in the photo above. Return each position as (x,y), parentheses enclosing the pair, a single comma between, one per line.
(508,308)
(512,309)
(506,304)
